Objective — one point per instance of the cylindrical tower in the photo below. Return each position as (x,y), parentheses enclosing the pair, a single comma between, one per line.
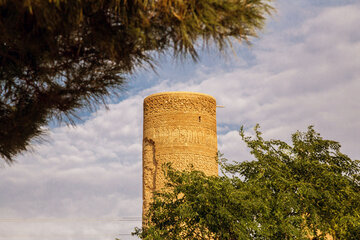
(179,127)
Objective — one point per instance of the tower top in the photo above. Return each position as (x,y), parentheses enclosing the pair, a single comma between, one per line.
(182,93)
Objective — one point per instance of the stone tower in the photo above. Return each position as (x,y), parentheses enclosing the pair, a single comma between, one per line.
(179,127)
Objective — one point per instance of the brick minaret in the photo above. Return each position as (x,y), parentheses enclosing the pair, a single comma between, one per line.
(179,127)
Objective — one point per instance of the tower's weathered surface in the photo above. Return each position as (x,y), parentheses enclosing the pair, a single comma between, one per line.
(179,127)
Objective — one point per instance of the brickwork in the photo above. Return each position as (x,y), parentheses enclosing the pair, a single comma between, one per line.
(179,127)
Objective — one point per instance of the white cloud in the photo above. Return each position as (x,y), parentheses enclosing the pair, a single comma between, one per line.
(92,171)
(305,75)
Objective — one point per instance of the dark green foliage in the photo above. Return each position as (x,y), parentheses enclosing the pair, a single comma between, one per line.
(293,191)
(57,56)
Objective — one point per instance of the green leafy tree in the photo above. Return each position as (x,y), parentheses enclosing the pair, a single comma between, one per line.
(301,191)
(57,56)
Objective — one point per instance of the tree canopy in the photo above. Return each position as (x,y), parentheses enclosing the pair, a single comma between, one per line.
(307,190)
(57,56)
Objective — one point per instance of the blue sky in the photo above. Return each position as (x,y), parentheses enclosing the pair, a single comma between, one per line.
(303,70)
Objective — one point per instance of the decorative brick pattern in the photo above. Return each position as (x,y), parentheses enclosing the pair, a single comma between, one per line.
(179,127)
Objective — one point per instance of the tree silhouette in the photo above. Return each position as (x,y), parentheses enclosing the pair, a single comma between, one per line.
(58,56)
